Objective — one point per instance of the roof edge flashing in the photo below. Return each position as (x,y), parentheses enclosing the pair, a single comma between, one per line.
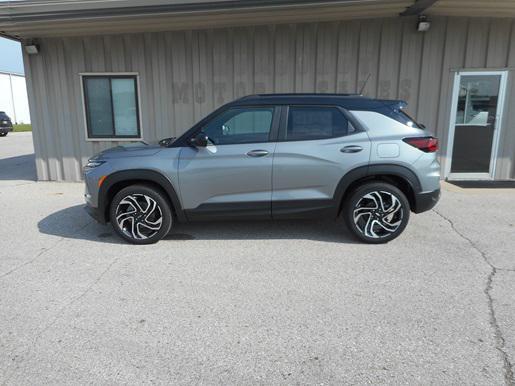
(23,12)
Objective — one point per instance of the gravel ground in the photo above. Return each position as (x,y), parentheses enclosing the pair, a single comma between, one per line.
(252,303)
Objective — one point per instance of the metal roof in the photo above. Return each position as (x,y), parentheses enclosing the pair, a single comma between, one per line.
(479,8)
(30,19)
(11,73)
(42,18)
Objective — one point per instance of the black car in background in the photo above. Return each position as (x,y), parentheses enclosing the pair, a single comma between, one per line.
(5,124)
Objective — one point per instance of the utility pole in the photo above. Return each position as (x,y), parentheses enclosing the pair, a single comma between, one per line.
(12,98)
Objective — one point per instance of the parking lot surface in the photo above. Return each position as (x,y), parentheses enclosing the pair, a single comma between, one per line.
(252,303)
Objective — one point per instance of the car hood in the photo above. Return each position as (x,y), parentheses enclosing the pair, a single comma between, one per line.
(138,149)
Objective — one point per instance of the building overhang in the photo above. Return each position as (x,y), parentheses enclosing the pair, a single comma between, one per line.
(31,19)
(28,19)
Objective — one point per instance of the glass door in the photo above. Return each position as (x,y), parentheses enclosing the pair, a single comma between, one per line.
(478,99)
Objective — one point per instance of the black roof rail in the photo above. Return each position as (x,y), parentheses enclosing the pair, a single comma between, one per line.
(304,94)
(322,95)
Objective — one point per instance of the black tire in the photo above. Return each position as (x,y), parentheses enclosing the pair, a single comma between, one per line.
(3,134)
(138,216)
(386,222)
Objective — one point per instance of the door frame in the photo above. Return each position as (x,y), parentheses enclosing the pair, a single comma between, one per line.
(497,129)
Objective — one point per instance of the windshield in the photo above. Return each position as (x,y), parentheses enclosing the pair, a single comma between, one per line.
(3,115)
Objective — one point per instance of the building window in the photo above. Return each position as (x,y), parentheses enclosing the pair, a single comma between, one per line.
(111,106)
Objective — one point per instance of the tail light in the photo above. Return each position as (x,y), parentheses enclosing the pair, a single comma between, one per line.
(426,144)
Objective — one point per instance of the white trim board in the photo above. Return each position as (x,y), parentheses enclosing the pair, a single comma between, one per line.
(497,130)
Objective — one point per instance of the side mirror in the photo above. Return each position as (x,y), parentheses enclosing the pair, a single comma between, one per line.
(200,140)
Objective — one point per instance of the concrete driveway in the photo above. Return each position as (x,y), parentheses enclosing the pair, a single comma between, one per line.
(252,303)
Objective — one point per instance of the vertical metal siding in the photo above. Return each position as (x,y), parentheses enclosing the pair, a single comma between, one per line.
(506,161)
(184,75)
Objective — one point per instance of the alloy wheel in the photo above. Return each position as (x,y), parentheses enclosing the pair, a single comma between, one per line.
(139,216)
(378,214)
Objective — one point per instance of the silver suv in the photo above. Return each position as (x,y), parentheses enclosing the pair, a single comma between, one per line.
(273,157)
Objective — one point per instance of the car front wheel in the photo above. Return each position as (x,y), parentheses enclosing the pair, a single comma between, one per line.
(3,134)
(141,214)
(377,212)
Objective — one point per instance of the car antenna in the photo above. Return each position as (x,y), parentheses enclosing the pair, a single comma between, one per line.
(365,84)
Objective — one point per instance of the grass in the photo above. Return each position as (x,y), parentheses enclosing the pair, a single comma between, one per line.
(22,127)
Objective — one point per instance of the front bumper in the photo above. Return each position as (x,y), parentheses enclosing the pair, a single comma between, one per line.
(96,213)
(426,200)
(5,129)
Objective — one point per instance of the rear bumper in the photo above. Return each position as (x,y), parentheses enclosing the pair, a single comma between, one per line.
(426,200)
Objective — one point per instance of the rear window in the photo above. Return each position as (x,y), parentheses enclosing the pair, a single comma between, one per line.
(309,123)
(400,116)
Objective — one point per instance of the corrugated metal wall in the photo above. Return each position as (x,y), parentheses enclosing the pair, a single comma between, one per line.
(13,97)
(185,75)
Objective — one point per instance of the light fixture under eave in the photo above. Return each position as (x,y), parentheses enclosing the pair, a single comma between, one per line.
(423,24)
(32,49)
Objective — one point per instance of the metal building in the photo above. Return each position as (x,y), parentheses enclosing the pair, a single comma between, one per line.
(150,69)
(13,97)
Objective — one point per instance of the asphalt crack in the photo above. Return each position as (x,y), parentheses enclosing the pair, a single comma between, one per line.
(499,338)
(16,185)
(74,300)
(40,253)
(67,305)
(61,312)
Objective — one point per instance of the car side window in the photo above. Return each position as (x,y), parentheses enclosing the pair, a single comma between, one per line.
(316,122)
(240,125)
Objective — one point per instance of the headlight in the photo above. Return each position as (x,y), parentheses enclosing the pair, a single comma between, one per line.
(93,164)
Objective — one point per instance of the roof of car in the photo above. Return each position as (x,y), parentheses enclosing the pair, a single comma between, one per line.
(349,101)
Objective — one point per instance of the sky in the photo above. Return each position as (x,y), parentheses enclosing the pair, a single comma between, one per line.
(10,55)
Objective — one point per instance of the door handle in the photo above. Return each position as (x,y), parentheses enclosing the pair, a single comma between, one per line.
(257,153)
(351,149)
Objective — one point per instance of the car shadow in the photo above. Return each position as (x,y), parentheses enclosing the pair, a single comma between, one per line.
(74,223)
(19,168)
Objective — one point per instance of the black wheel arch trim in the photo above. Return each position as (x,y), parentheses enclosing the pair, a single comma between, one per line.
(142,175)
(365,171)
(398,171)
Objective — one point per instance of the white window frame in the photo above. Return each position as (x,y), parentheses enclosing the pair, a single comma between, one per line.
(138,98)
(497,131)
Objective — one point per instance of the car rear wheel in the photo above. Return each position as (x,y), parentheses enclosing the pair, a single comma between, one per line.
(141,214)
(377,212)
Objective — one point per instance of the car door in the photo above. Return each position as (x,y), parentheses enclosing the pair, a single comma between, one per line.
(317,146)
(232,175)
